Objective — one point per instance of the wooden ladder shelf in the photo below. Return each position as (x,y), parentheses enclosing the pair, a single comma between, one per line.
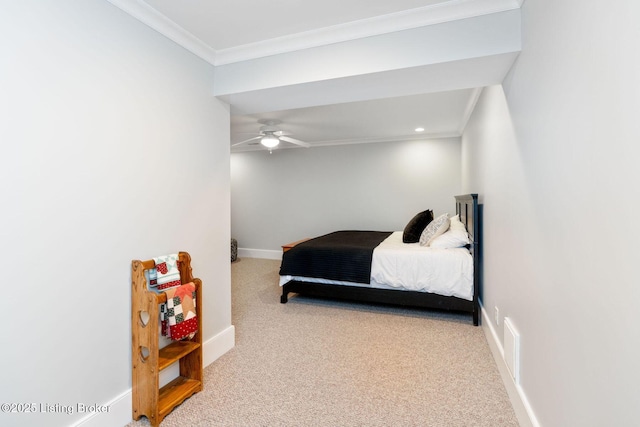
(148,360)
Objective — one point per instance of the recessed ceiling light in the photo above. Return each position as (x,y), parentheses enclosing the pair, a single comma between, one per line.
(419,129)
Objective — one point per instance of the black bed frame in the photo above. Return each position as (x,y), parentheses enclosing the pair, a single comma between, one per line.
(468,209)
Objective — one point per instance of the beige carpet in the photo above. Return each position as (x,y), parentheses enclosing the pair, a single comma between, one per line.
(323,363)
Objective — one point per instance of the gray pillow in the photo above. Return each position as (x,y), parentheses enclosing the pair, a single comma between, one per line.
(434,229)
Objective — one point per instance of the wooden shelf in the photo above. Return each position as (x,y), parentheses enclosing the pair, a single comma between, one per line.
(148,398)
(174,352)
(174,393)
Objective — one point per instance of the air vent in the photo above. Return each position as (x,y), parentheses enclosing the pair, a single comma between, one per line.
(512,349)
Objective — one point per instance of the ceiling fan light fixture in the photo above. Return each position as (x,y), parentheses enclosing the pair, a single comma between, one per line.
(270,141)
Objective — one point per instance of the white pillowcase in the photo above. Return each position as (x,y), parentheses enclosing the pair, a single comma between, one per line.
(455,237)
(434,229)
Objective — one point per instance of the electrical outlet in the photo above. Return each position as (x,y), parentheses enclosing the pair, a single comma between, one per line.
(497,315)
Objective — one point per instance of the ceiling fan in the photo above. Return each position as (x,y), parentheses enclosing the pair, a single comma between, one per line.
(270,136)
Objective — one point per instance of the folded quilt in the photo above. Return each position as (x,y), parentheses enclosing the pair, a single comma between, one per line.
(166,273)
(178,314)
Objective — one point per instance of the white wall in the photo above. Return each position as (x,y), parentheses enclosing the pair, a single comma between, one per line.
(113,149)
(296,193)
(554,155)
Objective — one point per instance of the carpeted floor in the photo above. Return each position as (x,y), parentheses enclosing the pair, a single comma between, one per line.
(325,363)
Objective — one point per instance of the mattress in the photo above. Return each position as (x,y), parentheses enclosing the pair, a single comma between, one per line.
(409,266)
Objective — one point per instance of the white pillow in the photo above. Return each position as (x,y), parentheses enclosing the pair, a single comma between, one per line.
(455,237)
(434,229)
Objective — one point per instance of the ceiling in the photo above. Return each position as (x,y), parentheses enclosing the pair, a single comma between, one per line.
(441,114)
(224,24)
(224,28)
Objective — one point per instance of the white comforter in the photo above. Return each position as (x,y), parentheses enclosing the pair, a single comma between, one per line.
(409,266)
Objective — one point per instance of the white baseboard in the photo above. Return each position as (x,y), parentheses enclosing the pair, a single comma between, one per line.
(259,253)
(218,345)
(524,411)
(118,413)
(119,409)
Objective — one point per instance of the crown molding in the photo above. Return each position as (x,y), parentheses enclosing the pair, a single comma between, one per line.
(405,20)
(352,141)
(401,138)
(149,16)
(413,18)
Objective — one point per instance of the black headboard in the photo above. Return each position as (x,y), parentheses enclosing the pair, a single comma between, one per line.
(469,211)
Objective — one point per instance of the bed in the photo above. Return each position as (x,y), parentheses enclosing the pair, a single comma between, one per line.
(378,267)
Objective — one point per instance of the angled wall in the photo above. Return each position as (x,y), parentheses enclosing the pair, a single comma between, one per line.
(553,153)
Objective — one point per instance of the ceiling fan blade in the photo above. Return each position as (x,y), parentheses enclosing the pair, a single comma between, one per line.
(281,133)
(246,140)
(295,141)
